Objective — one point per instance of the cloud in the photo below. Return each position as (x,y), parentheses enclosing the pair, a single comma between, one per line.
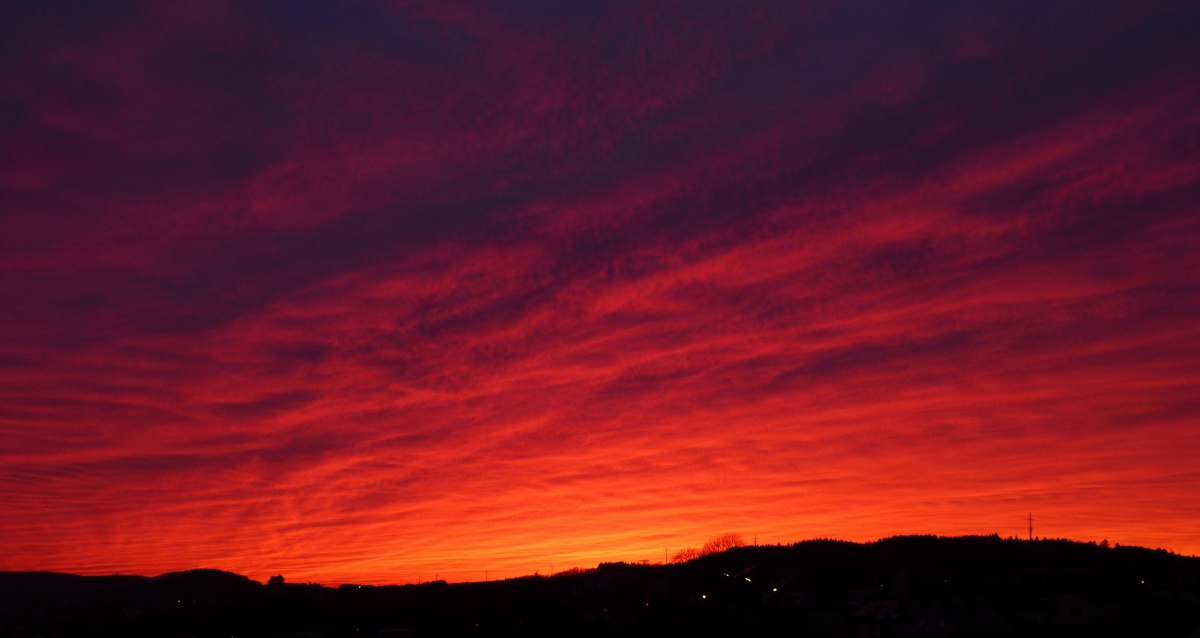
(369,293)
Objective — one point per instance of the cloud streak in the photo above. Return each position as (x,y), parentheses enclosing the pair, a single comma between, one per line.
(374,293)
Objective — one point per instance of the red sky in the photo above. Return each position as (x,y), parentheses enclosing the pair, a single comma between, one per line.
(364,292)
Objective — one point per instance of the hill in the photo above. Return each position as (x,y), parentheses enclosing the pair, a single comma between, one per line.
(902,586)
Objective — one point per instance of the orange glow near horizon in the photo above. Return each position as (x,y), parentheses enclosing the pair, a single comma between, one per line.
(487,326)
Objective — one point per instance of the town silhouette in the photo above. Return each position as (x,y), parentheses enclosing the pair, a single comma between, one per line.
(900,586)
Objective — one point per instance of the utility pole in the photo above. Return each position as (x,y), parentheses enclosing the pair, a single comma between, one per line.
(665,549)
(1031,526)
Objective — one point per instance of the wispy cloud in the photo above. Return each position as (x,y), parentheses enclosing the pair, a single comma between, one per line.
(373,293)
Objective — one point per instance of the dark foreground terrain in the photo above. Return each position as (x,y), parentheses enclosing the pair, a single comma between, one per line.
(906,586)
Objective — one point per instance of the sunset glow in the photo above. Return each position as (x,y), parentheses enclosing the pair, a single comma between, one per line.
(380,292)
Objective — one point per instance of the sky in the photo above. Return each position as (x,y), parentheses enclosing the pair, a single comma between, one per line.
(386,292)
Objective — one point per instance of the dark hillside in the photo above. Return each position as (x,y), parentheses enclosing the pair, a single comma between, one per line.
(903,586)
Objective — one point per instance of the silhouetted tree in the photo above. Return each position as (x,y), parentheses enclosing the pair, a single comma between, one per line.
(722,543)
(686,554)
(275,580)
